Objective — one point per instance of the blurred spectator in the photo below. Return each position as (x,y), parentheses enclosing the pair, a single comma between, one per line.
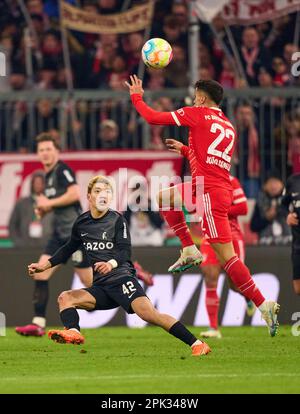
(135,42)
(248,150)
(180,11)
(204,73)
(253,55)
(108,135)
(177,71)
(36,7)
(17,79)
(205,60)
(52,49)
(269,217)
(292,126)
(281,75)
(46,116)
(108,6)
(172,31)
(228,76)
(102,64)
(45,78)
(265,79)
(156,80)
(25,229)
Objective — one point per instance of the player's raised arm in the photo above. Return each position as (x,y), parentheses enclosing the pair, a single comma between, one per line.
(181,117)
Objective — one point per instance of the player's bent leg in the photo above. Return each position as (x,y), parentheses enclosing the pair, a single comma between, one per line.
(40,301)
(170,204)
(211,275)
(85,275)
(239,248)
(146,311)
(68,302)
(241,277)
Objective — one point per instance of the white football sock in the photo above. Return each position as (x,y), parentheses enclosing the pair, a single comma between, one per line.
(198,342)
(38,320)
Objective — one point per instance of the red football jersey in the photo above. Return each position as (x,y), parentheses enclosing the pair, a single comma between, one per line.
(211,140)
(211,144)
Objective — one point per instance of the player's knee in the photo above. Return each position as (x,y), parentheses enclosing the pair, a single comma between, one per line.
(148,314)
(65,298)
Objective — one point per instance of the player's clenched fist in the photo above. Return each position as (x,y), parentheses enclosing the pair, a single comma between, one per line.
(173,145)
(37,268)
(103,267)
(292,219)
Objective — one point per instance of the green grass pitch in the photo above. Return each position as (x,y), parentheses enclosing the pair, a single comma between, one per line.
(123,360)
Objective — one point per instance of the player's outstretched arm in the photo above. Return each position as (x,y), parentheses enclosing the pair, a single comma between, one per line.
(38,268)
(63,254)
(150,115)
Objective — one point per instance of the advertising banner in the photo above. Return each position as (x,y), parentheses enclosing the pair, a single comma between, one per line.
(182,296)
(122,166)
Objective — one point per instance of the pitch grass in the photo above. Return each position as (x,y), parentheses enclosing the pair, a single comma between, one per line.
(122,360)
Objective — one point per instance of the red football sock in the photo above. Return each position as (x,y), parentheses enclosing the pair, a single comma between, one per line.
(177,222)
(212,306)
(240,275)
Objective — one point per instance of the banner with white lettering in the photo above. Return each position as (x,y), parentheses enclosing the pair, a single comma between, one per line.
(123,166)
(133,20)
(244,12)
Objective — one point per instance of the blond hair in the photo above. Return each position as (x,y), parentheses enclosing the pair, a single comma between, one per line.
(99,179)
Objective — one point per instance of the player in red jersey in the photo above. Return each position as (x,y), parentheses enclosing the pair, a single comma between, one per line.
(211,266)
(212,140)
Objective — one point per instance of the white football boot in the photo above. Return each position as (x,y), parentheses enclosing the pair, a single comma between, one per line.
(269,312)
(211,333)
(190,256)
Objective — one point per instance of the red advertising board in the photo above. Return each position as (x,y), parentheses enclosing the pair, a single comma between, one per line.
(122,166)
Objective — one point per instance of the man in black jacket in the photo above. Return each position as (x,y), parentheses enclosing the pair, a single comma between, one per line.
(269,216)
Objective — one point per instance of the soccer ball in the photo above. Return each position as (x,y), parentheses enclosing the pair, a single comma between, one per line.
(157,53)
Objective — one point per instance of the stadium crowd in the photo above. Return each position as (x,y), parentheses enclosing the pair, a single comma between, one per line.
(103,62)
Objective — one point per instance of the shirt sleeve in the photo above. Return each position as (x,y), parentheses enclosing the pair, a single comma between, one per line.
(239,205)
(123,241)
(66,176)
(185,151)
(181,117)
(63,254)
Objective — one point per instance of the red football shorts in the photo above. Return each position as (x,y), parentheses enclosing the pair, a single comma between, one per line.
(212,209)
(216,224)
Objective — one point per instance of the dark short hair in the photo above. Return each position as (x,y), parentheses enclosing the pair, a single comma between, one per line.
(46,137)
(212,88)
